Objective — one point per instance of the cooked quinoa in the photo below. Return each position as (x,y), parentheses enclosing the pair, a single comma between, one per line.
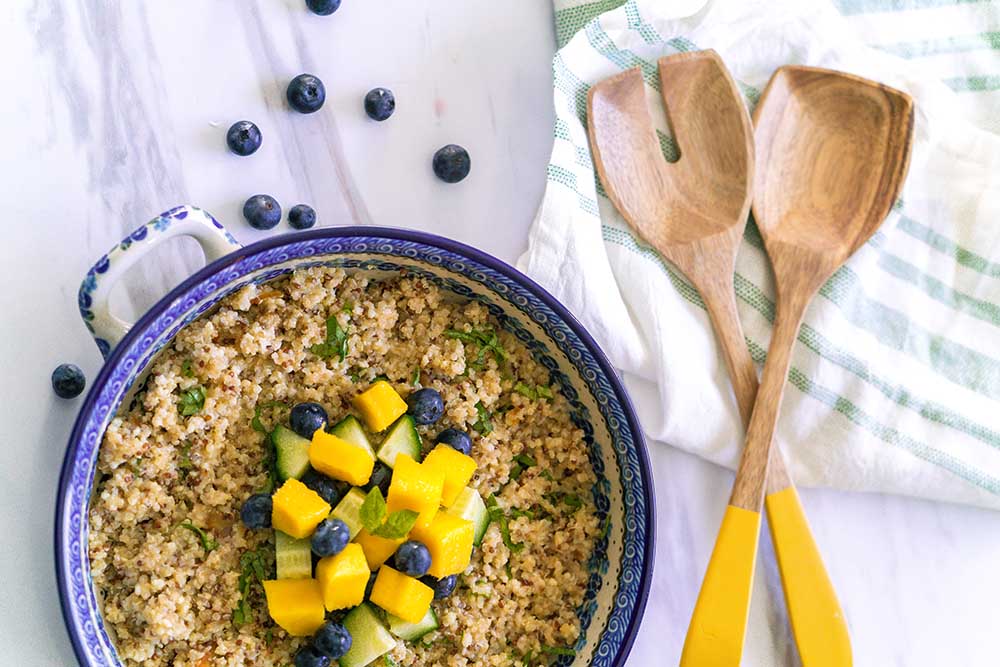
(169,600)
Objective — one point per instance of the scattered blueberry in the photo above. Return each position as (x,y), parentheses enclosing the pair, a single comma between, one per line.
(458,440)
(442,587)
(243,138)
(301,217)
(323,7)
(310,656)
(413,558)
(380,103)
(330,490)
(307,418)
(330,538)
(452,163)
(68,381)
(381,477)
(371,584)
(306,93)
(425,406)
(262,211)
(332,639)
(256,512)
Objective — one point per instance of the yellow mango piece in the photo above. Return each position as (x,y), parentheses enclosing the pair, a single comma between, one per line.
(339,459)
(380,406)
(296,605)
(297,509)
(416,487)
(457,468)
(449,539)
(377,549)
(343,578)
(401,595)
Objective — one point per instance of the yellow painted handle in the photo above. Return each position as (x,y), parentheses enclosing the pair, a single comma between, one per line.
(817,620)
(719,622)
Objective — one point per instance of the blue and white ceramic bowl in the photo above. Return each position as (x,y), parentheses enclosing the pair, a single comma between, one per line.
(621,565)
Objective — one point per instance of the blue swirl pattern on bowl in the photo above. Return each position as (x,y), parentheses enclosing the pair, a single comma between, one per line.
(621,564)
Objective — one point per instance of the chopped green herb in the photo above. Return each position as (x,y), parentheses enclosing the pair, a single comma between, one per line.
(485,340)
(544,392)
(497,515)
(269,636)
(573,500)
(192,401)
(483,424)
(336,341)
(251,569)
(348,307)
(377,521)
(518,513)
(373,510)
(396,525)
(526,460)
(547,475)
(256,422)
(390,661)
(607,527)
(525,390)
(186,369)
(557,650)
(208,542)
(415,380)
(185,465)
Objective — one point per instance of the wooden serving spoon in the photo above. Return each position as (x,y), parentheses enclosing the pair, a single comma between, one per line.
(832,154)
(694,213)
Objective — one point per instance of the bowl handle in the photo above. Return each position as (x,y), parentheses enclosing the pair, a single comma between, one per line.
(95,290)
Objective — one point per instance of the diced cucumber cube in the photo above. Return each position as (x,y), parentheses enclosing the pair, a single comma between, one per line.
(469,505)
(413,631)
(292,557)
(292,453)
(350,429)
(402,438)
(348,510)
(369,638)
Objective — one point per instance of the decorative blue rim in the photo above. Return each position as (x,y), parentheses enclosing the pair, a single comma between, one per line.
(331,233)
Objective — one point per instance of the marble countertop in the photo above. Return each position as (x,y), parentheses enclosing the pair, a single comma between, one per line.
(113,112)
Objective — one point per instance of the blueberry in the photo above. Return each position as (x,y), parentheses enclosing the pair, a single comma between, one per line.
(457,440)
(330,490)
(243,138)
(323,7)
(262,211)
(370,585)
(306,93)
(381,477)
(256,512)
(380,103)
(425,406)
(310,656)
(413,558)
(452,163)
(442,587)
(68,381)
(307,418)
(330,538)
(301,217)
(332,639)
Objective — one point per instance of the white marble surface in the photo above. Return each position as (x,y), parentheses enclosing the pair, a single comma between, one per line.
(113,111)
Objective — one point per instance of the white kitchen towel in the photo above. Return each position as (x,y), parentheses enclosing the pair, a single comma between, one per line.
(895,379)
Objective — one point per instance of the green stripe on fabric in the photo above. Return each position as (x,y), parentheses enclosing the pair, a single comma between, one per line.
(850,7)
(557,174)
(561,130)
(638,23)
(974,84)
(623,58)
(931,47)
(569,21)
(574,88)
(668,147)
(965,257)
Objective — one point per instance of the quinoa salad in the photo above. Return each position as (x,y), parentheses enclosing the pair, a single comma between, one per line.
(180,575)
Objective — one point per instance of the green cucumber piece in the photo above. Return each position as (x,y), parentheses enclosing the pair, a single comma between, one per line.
(411,632)
(292,557)
(291,452)
(348,510)
(350,429)
(369,638)
(402,438)
(469,505)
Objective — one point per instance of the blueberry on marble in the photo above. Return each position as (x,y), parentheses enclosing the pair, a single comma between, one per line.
(333,639)
(330,537)
(243,138)
(310,656)
(442,587)
(262,212)
(425,406)
(457,440)
(306,93)
(302,216)
(323,7)
(256,511)
(413,558)
(330,490)
(380,103)
(452,163)
(68,381)
(307,418)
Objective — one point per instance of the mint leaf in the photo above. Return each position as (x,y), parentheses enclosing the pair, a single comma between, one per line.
(397,525)
(486,340)
(208,543)
(573,500)
(525,390)
(525,460)
(483,423)
(557,650)
(373,510)
(251,569)
(256,423)
(185,464)
(544,392)
(336,341)
(415,380)
(186,369)
(497,516)
(192,401)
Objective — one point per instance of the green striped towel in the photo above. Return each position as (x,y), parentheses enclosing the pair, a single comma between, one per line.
(895,380)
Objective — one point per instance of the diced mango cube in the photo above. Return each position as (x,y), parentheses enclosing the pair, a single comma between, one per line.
(401,595)
(339,459)
(457,468)
(449,539)
(343,578)
(380,406)
(377,549)
(416,487)
(297,510)
(296,605)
